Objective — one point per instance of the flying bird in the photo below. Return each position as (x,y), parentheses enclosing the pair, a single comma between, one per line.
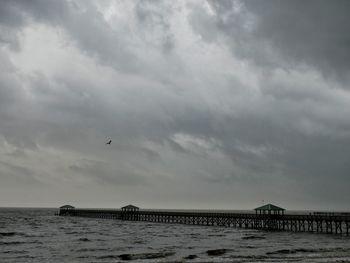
(109,142)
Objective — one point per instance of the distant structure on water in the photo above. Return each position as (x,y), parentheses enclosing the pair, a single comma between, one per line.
(269,209)
(65,210)
(67,207)
(267,217)
(130,208)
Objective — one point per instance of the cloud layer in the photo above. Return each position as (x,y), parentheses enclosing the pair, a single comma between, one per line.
(210,104)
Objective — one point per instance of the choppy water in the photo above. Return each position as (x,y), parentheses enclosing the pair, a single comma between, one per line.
(36,235)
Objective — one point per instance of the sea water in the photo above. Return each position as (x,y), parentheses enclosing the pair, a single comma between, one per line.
(37,235)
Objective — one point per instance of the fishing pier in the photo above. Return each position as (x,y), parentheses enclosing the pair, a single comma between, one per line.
(267,217)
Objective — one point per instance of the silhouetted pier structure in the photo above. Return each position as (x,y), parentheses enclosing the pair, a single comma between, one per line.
(268,217)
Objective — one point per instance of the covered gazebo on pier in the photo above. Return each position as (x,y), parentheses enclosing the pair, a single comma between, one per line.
(65,210)
(66,207)
(130,208)
(269,209)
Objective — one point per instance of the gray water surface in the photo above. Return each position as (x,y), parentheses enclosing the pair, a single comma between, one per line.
(36,235)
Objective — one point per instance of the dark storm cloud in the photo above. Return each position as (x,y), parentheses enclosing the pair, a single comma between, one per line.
(313,32)
(10,14)
(169,82)
(80,19)
(284,33)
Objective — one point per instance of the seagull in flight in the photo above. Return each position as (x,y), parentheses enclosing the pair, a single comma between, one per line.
(109,142)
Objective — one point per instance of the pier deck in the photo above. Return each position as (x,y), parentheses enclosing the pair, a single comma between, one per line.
(331,223)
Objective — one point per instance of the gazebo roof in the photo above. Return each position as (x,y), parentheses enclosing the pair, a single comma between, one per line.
(66,207)
(130,207)
(270,207)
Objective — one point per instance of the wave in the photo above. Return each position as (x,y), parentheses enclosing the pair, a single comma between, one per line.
(305,250)
(216,252)
(7,243)
(84,239)
(139,256)
(14,252)
(253,237)
(91,249)
(9,234)
(73,233)
(11,243)
(12,234)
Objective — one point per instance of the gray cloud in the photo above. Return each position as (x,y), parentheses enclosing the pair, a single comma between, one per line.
(13,174)
(206,103)
(154,16)
(104,173)
(80,19)
(279,34)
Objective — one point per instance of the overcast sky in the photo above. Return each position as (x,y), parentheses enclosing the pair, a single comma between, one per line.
(209,104)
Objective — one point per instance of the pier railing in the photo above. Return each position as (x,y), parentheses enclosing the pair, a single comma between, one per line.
(318,223)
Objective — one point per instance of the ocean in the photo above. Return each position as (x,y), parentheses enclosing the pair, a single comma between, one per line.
(37,235)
